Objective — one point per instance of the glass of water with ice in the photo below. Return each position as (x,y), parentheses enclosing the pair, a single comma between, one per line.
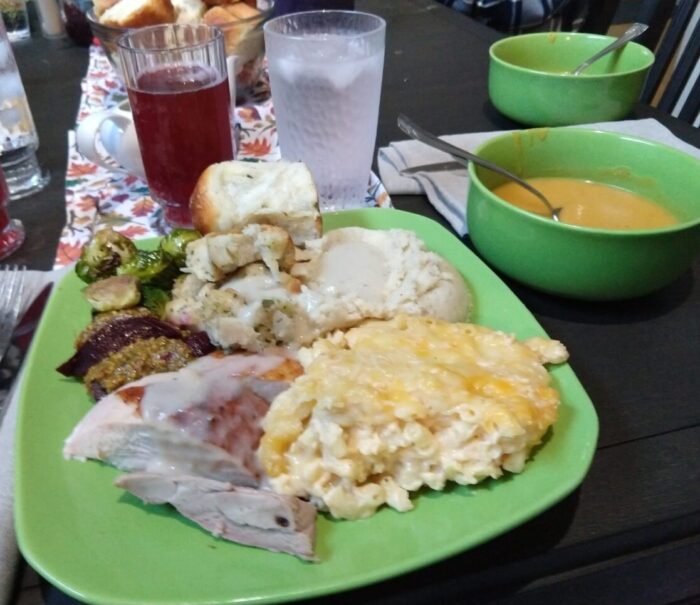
(326,77)
(18,137)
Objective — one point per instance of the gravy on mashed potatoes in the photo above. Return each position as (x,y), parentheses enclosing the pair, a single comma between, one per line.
(391,406)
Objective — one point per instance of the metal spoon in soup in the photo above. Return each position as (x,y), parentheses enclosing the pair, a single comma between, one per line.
(420,134)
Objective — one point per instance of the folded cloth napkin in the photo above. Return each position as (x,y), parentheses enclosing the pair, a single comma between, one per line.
(447,190)
(9,555)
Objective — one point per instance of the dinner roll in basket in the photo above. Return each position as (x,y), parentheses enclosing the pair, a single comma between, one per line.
(137,13)
(232,194)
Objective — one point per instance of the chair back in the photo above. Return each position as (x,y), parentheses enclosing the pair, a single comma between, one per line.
(598,15)
(679,52)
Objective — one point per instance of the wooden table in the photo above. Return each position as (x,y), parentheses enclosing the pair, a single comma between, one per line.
(631,533)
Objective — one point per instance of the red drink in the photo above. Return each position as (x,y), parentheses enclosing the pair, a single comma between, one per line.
(11,231)
(182,116)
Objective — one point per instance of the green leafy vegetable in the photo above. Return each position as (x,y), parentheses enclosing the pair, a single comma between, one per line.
(152,267)
(175,244)
(154,299)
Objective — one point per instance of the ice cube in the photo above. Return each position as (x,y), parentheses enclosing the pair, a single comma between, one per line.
(10,117)
(5,54)
(289,69)
(10,86)
(343,75)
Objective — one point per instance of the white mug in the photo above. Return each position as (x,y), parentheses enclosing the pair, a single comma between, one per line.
(113,131)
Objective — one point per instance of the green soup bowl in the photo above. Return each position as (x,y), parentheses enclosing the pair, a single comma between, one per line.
(582,262)
(529,79)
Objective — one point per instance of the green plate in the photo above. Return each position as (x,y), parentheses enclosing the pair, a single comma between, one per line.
(100,545)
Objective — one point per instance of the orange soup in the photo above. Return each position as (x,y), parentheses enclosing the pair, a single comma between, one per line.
(588,204)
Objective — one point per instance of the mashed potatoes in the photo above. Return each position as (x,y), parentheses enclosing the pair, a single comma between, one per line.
(391,406)
(357,273)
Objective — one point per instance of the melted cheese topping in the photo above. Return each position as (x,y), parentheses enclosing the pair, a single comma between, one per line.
(391,406)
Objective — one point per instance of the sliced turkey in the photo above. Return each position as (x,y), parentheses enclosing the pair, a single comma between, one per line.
(202,420)
(248,516)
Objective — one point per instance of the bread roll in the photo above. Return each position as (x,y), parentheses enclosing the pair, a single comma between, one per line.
(241,10)
(232,194)
(218,15)
(219,2)
(138,13)
(235,28)
(101,6)
(189,12)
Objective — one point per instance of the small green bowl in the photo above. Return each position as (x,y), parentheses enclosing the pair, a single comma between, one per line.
(528,79)
(582,262)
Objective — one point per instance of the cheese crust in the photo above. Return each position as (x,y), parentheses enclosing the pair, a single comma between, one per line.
(392,406)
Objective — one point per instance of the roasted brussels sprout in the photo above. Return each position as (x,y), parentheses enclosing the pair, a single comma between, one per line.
(153,267)
(101,256)
(154,299)
(83,271)
(175,243)
(113,293)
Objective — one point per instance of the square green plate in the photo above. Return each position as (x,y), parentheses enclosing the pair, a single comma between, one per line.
(101,545)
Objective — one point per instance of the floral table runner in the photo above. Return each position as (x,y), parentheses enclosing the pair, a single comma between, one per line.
(97,197)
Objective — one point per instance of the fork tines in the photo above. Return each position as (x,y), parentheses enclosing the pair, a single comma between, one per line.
(11,289)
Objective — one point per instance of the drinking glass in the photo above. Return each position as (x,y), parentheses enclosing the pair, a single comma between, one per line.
(11,230)
(326,76)
(18,138)
(178,90)
(16,19)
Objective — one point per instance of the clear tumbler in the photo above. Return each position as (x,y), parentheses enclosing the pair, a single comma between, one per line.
(18,138)
(326,77)
(178,90)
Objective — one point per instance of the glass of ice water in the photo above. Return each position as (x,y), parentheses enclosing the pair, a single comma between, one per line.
(326,77)
(18,137)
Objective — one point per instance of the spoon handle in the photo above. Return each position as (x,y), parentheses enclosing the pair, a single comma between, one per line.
(414,131)
(636,29)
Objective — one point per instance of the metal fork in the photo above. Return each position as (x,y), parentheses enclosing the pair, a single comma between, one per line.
(11,290)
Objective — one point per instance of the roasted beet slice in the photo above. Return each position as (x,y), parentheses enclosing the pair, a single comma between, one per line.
(199,344)
(112,337)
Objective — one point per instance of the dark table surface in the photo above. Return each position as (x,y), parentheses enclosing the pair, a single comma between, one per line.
(631,532)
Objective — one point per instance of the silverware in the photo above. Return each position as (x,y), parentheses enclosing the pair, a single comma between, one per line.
(11,290)
(437,167)
(420,134)
(22,338)
(24,331)
(633,31)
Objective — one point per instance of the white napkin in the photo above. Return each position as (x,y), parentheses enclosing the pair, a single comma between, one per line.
(9,555)
(447,191)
